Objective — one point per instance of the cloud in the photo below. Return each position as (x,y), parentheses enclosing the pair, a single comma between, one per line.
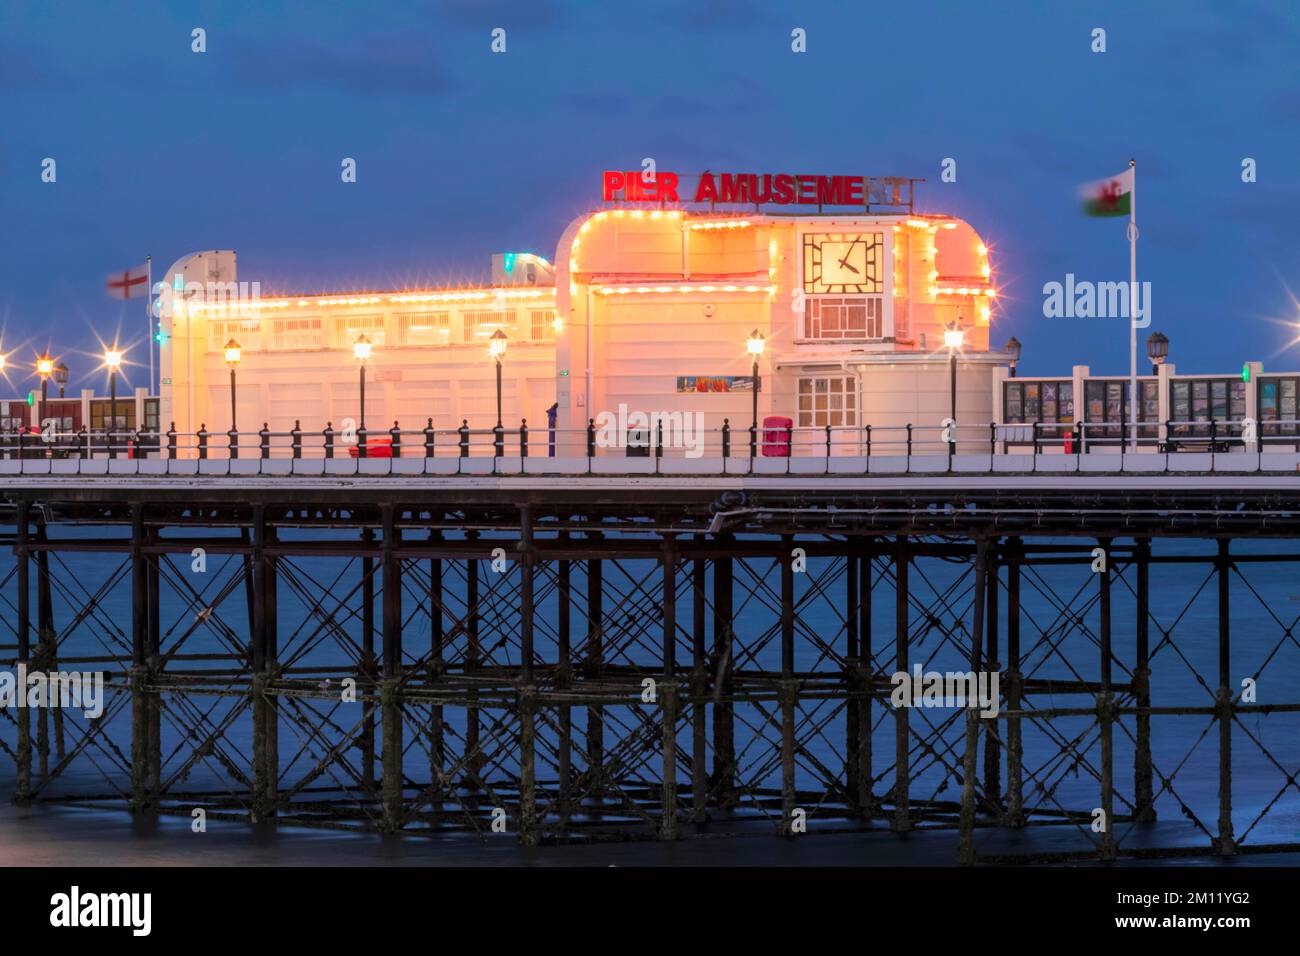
(509,14)
(375,67)
(21,72)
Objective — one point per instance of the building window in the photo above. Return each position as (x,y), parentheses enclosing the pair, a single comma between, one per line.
(1204,400)
(842,318)
(478,326)
(247,332)
(297,334)
(348,328)
(423,328)
(828,400)
(542,324)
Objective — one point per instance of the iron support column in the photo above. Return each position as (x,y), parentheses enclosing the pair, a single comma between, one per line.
(668,693)
(1225,844)
(970,756)
(1143,768)
(390,712)
(1106,710)
(902,745)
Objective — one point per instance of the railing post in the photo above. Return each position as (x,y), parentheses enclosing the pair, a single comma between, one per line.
(591,438)
(232,437)
(328,434)
(1214,436)
(297,438)
(264,439)
(909,439)
(464,437)
(523,438)
(789,441)
(868,440)
(1078,444)
(362,432)
(828,441)
(993,438)
(1033,435)
(498,440)
(726,438)
(753,441)
(203,441)
(85,442)
(141,449)
(396,434)
(428,439)
(659,438)
(171,441)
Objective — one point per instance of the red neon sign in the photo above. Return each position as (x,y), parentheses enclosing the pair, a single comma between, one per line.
(751,189)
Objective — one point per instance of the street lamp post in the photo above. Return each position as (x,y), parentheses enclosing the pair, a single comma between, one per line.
(1157,350)
(44,368)
(1012,348)
(361,351)
(756,344)
(233,354)
(113,361)
(60,377)
(952,339)
(497,348)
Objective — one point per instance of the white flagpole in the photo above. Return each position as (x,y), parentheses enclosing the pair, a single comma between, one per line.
(1133,396)
(148,316)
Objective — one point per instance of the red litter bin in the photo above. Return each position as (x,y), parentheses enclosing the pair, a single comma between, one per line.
(776,436)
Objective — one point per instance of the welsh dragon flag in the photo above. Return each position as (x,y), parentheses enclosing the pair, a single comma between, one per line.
(1108,197)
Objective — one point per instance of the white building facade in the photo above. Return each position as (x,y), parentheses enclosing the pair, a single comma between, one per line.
(649,307)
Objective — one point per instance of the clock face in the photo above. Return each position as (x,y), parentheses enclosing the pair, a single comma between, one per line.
(842,263)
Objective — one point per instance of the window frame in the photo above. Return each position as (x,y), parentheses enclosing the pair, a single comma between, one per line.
(847,392)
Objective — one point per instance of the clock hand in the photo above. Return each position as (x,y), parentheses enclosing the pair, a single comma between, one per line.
(844,262)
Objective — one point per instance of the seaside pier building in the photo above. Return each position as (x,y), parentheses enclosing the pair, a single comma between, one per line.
(645,307)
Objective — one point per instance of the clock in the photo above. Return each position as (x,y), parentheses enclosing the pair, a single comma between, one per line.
(842,263)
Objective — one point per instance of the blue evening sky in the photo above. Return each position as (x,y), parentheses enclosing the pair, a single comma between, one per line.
(461,152)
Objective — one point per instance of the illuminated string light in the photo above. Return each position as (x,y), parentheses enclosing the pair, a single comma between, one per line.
(682,289)
(721,224)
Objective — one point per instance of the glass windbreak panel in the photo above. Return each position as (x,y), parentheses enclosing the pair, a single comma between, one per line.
(1114,407)
(1015,410)
(1065,410)
(1268,406)
(1286,410)
(1149,410)
(1237,401)
(1032,407)
(1096,395)
(1182,406)
(1048,396)
(1219,400)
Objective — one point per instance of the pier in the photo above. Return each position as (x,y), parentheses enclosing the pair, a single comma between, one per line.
(608,648)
